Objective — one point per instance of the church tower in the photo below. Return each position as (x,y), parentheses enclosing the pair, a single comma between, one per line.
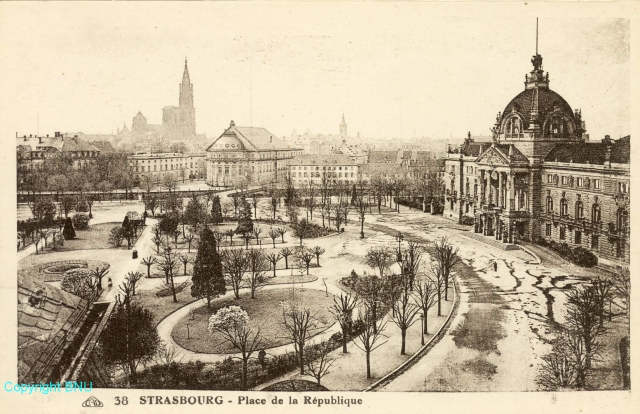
(343,128)
(187,111)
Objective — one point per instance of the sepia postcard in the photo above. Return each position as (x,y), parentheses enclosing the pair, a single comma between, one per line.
(370,207)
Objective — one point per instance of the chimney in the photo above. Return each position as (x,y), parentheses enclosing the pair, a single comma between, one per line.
(39,140)
(270,139)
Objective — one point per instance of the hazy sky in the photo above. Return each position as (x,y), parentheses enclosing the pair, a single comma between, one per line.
(393,69)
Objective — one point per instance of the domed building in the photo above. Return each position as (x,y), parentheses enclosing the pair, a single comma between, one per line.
(541,179)
(249,154)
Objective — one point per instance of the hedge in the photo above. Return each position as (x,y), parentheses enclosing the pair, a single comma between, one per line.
(578,255)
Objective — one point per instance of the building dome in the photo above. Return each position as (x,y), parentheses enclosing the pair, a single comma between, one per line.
(538,111)
(548,101)
(227,143)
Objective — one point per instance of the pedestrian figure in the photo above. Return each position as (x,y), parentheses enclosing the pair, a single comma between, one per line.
(495,266)
(110,283)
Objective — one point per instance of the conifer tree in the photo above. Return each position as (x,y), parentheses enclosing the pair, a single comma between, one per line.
(208,280)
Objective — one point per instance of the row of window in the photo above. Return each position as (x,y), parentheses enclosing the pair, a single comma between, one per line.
(299,167)
(166,167)
(622,215)
(577,239)
(585,182)
(317,174)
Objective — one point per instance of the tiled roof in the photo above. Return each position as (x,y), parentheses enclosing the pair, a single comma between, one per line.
(44,315)
(590,152)
(254,138)
(376,157)
(472,149)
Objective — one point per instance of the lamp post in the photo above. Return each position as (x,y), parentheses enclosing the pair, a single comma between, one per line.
(422,327)
(399,238)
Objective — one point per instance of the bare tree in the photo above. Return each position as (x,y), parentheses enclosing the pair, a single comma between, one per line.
(273,233)
(604,296)
(558,369)
(247,239)
(218,237)
(234,264)
(185,260)
(425,294)
(168,264)
(311,204)
(342,310)
(230,233)
(582,322)
(404,309)
(189,239)
(306,257)
(298,322)
(99,274)
(319,367)
(133,278)
(622,289)
(379,258)
(370,290)
(256,232)
(286,252)
(273,258)
(282,231)
(437,275)
(149,261)
(256,266)
(317,251)
(232,323)
(447,257)
(371,337)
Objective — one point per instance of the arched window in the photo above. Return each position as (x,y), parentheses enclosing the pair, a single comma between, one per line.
(564,208)
(549,204)
(623,218)
(579,210)
(595,213)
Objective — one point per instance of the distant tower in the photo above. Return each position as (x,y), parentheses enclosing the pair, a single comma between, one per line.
(343,128)
(188,112)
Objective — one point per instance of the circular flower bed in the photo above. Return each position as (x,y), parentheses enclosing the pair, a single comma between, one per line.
(63,267)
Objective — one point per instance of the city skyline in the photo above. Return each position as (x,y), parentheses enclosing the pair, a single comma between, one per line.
(390,81)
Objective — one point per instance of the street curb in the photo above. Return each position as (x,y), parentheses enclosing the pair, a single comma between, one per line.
(425,349)
(526,249)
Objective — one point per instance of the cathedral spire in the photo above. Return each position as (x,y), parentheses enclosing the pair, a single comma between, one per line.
(185,76)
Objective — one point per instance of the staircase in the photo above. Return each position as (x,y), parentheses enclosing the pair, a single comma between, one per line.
(491,241)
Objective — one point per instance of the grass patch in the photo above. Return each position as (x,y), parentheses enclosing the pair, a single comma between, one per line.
(480,367)
(95,237)
(161,307)
(480,329)
(264,312)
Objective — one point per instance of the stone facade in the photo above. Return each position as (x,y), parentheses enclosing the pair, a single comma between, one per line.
(540,177)
(182,166)
(249,154)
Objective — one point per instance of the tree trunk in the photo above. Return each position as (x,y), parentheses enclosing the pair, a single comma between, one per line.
(439,299)
(368,364)
(302,360)
(446,288)
(344,340)
(244,373)
(404,337)
(424,324)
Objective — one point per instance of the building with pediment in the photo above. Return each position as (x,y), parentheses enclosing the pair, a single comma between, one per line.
(541,178)
(249,154)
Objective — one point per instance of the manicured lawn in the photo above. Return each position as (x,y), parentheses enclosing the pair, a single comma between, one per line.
(163,306)
(264,312)
(95,237)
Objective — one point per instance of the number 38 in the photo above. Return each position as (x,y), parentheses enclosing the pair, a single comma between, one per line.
(122,401)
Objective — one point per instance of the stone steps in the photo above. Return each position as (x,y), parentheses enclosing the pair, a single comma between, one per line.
(491,241)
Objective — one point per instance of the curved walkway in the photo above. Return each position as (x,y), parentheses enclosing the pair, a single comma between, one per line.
(165,327)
